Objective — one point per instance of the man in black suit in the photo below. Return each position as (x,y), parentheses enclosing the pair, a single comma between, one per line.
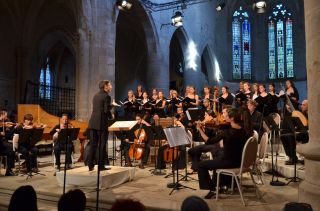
(98,125)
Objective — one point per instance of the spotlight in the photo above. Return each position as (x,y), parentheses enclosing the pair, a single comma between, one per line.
(220,6)
(123,5)
(260,6)
(177,19)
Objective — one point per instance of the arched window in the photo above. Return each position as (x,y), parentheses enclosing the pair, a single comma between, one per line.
(280,43)
(46,81)
(241,45)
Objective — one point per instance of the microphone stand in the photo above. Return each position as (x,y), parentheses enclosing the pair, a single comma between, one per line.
(65,160)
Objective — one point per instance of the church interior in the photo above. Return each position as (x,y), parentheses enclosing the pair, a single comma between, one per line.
(200,65)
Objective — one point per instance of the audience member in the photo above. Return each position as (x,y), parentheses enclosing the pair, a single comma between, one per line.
(24,199)
(194,203)
(72,200)
(128,204)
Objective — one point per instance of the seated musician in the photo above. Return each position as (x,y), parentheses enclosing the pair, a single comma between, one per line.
(28,152)
(179,120)
(205,132)
(289,139)
(130,136)
(58,146)
(234,140)
(6,134)
(256,116)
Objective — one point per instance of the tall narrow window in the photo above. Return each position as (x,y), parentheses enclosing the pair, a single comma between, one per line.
(45,81)
(241,45)
(280,43)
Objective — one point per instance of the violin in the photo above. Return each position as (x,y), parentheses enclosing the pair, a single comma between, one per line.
(7,124)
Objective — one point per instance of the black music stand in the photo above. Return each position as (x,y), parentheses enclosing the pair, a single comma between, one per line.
(195,114)
(296,126)
(270,125)
(176,137)
(29,138)
(66,136)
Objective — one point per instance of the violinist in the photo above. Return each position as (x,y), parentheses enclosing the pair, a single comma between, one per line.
(6,148)
(64,124)
(205,132)
(28,152)
(256,116)
(233,141)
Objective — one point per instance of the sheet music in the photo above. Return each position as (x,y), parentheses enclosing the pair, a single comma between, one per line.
(122,125)
(176,136)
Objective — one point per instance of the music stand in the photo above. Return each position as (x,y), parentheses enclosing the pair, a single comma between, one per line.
(195,114)
(65,137)
(270,126)
(29,138)
(296,126)
(176,137)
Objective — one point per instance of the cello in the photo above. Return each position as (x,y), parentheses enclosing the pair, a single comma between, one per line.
(137,148)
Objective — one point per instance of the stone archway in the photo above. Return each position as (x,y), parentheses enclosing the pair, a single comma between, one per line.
(177,66)
(207,66)
(135,51)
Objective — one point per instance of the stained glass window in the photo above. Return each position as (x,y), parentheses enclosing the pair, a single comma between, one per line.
(280,43)
(45,81)
(241,45)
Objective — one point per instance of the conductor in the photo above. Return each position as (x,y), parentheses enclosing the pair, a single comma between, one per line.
(98,126)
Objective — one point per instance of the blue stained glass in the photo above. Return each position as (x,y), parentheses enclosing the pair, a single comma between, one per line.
(246,51)
(289,49)
(280,43)
(272,53)
(236,49)
(45,82)
(241,45)
(280,46)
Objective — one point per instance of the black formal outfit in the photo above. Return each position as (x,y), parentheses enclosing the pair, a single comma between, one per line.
(256,120)
(158,108)
(196,152)
(289,139)
(58,147)
(29,152)
(264,104)
(131,108)
(6,148)
(295,94)
(273,104)
(233,143)
(98,129)
(226,101)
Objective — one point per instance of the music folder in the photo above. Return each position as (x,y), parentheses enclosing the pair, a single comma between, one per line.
(176,136)
(195,114)
(30,137)
(68,135)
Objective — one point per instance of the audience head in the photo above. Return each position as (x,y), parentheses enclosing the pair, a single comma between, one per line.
(128,204)
(194,203)
(72,200)
(24,199)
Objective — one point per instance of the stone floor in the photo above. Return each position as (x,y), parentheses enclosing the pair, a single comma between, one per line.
(150,190)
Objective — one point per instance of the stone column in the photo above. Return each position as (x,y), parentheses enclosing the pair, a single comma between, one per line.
(309,189)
